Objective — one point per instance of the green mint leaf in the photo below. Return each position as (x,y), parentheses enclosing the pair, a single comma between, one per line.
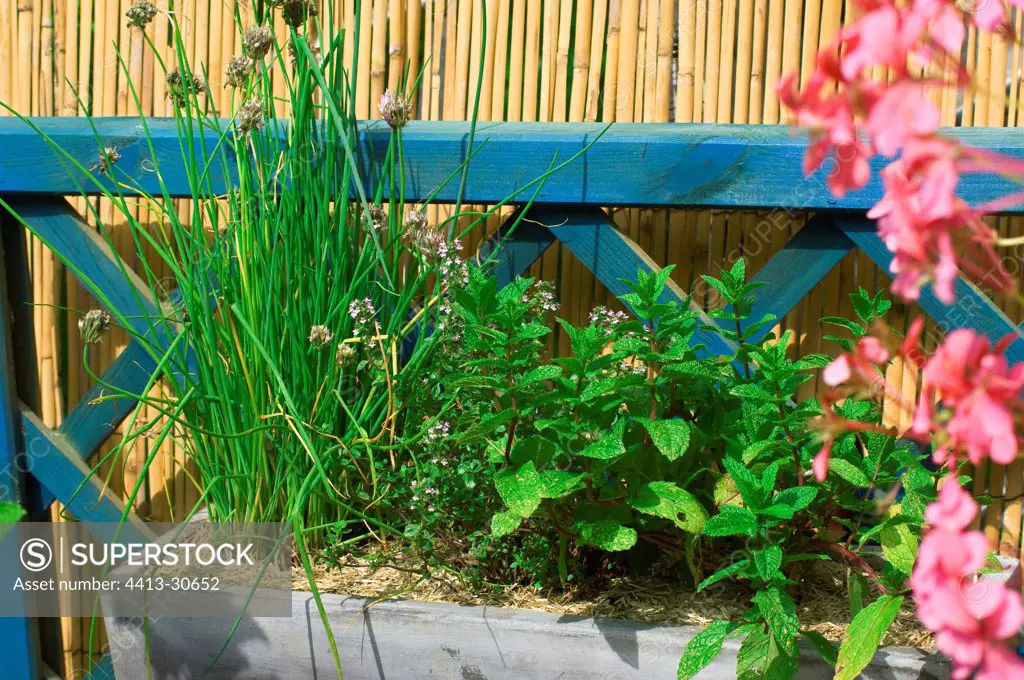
(671,436)
(665,499)
(753,391)
(848,471)
(702,649)
(864,635)
(779,612)
(504,523)
(790,501)
(731,520)
(737,567)
(769,563)
(609,446)
(899,544)
(557,484)
(746,482)
(538,374)
(520,488)
(607,534)
(763,657)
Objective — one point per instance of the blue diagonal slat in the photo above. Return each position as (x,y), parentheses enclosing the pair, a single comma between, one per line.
(611,255)
(511,253)
(972,309)
(103,670)
(60,469)
(792,272)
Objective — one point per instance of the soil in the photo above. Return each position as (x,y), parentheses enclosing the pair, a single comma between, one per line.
(821,595)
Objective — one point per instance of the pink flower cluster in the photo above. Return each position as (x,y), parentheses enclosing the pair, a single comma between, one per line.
(980,389)
(851,118)
(971,616)
(934,235)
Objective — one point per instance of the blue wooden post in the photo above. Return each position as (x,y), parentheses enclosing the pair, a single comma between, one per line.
(19,644)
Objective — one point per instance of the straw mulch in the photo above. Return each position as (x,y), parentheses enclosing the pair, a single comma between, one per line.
(822,598)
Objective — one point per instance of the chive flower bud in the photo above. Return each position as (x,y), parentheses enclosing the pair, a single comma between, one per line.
(395,109)
(320,337)
(141,13)
(93,326)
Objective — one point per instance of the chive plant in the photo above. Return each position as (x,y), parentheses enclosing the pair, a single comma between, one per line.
(297,319)
(300,303)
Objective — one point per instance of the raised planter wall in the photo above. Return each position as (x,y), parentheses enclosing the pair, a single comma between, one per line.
(421,641)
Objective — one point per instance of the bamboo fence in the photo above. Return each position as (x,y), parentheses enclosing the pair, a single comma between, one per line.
(711,61)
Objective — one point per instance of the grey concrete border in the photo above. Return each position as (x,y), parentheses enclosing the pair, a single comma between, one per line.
(406,640)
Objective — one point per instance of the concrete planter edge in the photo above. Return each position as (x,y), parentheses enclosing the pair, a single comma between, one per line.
(409,640)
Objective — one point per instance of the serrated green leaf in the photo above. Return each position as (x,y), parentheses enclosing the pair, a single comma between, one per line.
(753,451)
(779,612)
(556,484)
(539,374)
(769,562)
(607,534)
(739,271)
(609,446)
(665,499)
(532,331)
(719,286)
(812,361)
(899,544)
(504,523)
(602,386)
(671,436)
(864,635)
(746,482)
(763,657)
(851,326)
(753,391)
(520,488)
(724,573)
(731,520)
(850,472)
(790,501)
(702,649)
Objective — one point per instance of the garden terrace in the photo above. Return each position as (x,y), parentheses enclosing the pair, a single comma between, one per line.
(700,166)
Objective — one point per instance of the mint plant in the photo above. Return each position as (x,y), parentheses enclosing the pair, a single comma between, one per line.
(784,518)
(636,443)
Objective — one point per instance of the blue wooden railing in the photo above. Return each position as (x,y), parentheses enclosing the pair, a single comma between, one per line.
(695,166)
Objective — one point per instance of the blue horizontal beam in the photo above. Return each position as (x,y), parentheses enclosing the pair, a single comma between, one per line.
(724,166)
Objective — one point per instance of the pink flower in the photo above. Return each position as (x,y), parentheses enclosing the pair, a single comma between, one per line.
(954,510)
(902,112)
(833,132)
(988,15)
(971,616)
(837,372)
(819,463)
(920,214)
(873,41)
(981,389)
(862,364)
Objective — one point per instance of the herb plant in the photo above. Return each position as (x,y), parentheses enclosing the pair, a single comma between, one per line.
(639,438)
